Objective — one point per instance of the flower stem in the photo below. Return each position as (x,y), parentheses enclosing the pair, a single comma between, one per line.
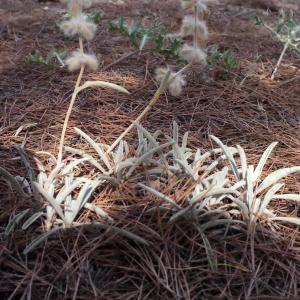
(286,45)
(152,102)
(195,29)
(62,138)
(187,66)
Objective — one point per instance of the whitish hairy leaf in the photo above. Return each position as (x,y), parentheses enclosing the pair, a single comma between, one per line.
(269,196)
(215,223)
(90,159)
(184,141)
(68,189)
(295,221)
(249,183)
(228,155)
(102,84)
(95,146)
(14,221)
(125,233)
(159,195)
(99,211)
(38,240)
(53,175)
(263,161)
(10,178)
(32,219)
(69,168)
(243,158)
(187,168)
(180,214)
(243,207)
(144,41)
(51,200)
(147,134)
(147,155)
(211,257)
(212,192)
(276,176)
(175,132)
(292,197)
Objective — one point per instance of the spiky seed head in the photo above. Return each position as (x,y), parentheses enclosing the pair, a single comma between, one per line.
(79,25)
(193,55)
(189,25)
(79,59)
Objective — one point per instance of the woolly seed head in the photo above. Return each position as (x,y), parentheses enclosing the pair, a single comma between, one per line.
(176,84)
(193,55)
(189,26)
(190,5)
(80,3)
(79,25)
(79,59)
(160,74)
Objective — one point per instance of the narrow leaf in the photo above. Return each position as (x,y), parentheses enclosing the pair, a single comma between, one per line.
(159,195)
(276,176)
(32,219)
(295,221)
(101,84)
(228,155)
(38,240)
(269,196)
(14,221)
(51,200)
(95,146)
(263,161)
(10,178)
(292,197)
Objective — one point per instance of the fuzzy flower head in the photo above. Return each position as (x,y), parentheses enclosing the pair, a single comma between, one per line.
(175,83)
(190,26)
(79,59)
(76,6)
(79,25)
(193,55)
(191,4)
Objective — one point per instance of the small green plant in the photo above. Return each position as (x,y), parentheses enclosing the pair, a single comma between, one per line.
(287,31)
(152,39)
(226,59)
(54,56)
(229,60)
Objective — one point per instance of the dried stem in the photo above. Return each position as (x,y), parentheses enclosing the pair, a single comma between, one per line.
(286,45)
(143,113)
(195,19)
(62,139)
(182,70)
